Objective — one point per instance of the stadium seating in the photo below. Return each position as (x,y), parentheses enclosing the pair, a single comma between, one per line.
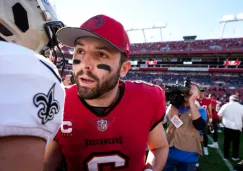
(197,45)
(177,46)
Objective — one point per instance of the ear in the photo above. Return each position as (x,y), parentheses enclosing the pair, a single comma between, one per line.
(125,68)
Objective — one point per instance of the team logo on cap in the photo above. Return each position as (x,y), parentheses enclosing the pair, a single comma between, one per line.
(49,106)
(94,23)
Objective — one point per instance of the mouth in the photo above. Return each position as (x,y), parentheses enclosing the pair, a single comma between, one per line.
(86,81)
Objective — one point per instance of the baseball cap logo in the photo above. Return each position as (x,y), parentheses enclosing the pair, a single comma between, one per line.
(94,23)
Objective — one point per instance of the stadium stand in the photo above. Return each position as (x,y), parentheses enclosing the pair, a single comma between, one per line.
(222,86)
(197,45)
(175,46)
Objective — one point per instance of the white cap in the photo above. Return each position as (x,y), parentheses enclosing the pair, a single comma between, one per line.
(32,95)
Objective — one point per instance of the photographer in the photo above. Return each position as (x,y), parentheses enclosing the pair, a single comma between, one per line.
(186,118)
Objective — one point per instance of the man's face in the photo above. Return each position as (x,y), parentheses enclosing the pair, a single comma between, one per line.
(202,94)
(212,97)
(96,66)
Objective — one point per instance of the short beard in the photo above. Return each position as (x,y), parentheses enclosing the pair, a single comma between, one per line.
(101,88)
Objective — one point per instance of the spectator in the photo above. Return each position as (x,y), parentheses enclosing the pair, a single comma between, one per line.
(231,114)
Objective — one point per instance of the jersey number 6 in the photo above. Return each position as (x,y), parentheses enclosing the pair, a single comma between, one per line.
(115,160)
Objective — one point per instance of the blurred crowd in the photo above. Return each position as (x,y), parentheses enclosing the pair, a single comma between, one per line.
(197,45)
(221,86)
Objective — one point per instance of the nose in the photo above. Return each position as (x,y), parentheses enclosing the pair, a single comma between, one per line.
(86,62)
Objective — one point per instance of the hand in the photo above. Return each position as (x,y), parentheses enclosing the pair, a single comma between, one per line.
(194,93)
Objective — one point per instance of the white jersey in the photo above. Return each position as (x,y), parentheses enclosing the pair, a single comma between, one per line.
(31,93)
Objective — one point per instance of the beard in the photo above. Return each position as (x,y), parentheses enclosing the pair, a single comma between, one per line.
(101,88)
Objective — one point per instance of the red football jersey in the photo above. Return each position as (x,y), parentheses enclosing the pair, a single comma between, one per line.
(115,141)
(205,102)
(215,108)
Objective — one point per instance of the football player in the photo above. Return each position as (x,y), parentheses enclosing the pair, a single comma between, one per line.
(31,92)
(206,103)
(215,108)
(107,122)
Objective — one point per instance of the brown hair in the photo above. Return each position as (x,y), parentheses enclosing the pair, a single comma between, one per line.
(123,58)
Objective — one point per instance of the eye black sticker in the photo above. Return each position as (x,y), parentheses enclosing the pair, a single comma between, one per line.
(104,67)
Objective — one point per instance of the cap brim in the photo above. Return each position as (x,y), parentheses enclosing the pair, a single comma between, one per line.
(69,35)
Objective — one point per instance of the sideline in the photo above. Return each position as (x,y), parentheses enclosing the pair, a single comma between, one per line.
(227,163)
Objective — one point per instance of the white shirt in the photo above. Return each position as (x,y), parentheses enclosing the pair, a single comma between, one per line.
(31,94)
(232,114)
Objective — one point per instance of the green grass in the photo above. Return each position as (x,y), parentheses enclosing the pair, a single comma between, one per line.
(214,162)
(221,146)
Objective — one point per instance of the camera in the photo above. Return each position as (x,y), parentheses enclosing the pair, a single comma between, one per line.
(175,93)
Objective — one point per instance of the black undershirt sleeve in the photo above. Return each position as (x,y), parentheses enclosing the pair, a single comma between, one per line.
(199,123)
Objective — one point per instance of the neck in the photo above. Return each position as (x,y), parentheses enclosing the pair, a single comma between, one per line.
(106,99)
